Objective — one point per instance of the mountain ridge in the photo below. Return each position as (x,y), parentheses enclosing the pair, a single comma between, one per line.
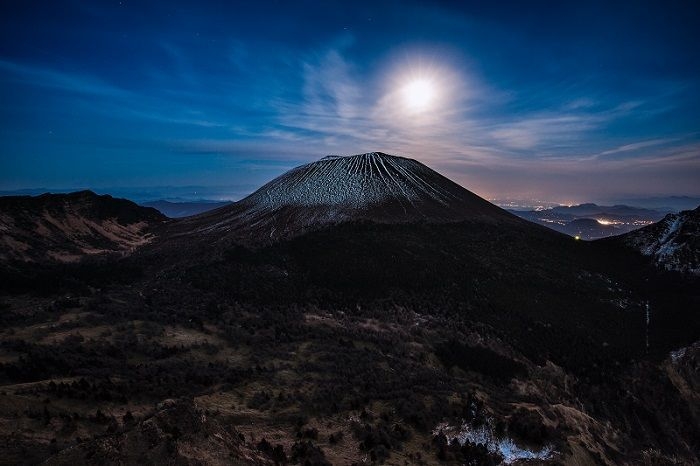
(673,243)
(68,227)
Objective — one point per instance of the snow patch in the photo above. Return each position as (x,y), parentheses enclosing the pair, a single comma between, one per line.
(483,435)
(672,243)
(672,228)
(678,355)
(667,247)
(664,245)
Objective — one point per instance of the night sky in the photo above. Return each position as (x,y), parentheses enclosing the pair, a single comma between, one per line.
(575,102)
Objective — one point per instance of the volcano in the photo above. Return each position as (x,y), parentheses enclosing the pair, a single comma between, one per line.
(374,187)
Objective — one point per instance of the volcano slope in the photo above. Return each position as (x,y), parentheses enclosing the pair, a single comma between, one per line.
(373,187)
(395,319)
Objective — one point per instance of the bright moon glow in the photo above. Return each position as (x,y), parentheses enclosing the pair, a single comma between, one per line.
(418,94)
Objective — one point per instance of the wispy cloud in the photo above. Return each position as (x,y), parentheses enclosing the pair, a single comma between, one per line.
(634,146)
(546,132)
(339,110)
(115,102)
(63,80)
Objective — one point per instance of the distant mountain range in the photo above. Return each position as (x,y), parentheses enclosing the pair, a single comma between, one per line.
(664,203)
(592,221)
(184,209)
(149,194)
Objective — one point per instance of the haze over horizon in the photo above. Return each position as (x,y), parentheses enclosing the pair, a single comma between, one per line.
(573,102)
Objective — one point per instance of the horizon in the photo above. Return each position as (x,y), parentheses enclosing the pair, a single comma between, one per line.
(234,193)
(561,103)
(195,194)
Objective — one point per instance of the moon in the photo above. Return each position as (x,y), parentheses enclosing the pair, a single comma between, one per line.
(418,94)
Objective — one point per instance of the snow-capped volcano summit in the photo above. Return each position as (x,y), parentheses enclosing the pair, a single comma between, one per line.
(359,181)
(373,187)
(355,181)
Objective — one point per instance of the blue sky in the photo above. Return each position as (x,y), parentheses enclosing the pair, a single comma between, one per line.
(564,101)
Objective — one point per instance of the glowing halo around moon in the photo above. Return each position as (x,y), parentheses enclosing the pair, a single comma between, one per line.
(418,94)
(422,92)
